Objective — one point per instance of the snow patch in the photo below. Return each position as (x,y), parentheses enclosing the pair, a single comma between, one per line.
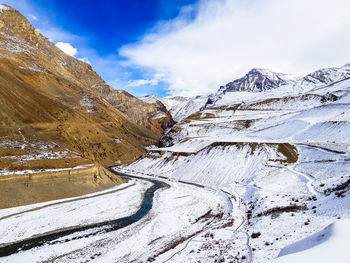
(328,245)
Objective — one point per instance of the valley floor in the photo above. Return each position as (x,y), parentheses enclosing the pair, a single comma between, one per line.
(250,181)
(189,222)
(184,217)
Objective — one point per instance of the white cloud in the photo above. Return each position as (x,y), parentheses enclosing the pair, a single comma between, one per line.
(70,50)
(229,37)
(67,48)
(141,82)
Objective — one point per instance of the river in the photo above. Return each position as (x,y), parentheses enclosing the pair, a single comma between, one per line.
(97,228)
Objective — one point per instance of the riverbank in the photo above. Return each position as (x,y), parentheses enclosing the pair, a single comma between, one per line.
(24,189)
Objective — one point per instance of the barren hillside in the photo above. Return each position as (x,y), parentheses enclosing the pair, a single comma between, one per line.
(57,113)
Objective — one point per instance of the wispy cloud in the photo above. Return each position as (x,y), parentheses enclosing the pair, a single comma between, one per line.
(141,82)
(228,37)
(32,17)
(56,34)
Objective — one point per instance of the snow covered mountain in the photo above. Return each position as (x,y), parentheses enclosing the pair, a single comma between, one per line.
(322,77)
(182,107)
(257,80)
(328,76)
(266,83)
(274,85)
(281,155)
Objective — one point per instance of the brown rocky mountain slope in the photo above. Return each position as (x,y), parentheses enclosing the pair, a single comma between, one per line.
(57,113)
(48,96)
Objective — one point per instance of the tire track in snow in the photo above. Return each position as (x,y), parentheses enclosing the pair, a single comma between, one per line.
(219,192)
(321,148)
(243,218)
(225,195)
(309,178)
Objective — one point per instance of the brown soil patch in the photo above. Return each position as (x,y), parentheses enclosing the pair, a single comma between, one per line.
(289,151)
(17,190)
(47,164)
(285,209)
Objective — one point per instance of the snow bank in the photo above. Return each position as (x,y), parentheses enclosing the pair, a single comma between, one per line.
(329,245)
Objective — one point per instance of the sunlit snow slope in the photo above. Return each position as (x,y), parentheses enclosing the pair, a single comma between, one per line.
(284,151)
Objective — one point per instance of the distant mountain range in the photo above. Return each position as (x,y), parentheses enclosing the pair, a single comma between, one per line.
(255,81)
(258,80)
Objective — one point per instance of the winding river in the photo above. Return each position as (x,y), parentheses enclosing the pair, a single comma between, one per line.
(97,228)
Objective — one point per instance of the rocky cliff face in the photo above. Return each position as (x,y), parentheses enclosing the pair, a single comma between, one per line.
(55,106)
(151,114)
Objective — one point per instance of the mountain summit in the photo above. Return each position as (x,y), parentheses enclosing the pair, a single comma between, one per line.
(257,80)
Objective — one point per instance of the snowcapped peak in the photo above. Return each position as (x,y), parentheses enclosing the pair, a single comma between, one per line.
(257,80)
(261,71)
(329,75)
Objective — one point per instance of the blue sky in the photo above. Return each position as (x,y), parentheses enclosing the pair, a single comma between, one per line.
(98,29)
(192,47)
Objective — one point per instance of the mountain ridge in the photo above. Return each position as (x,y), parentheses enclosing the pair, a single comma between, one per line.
(257,82)
(69,88)
(57,116)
